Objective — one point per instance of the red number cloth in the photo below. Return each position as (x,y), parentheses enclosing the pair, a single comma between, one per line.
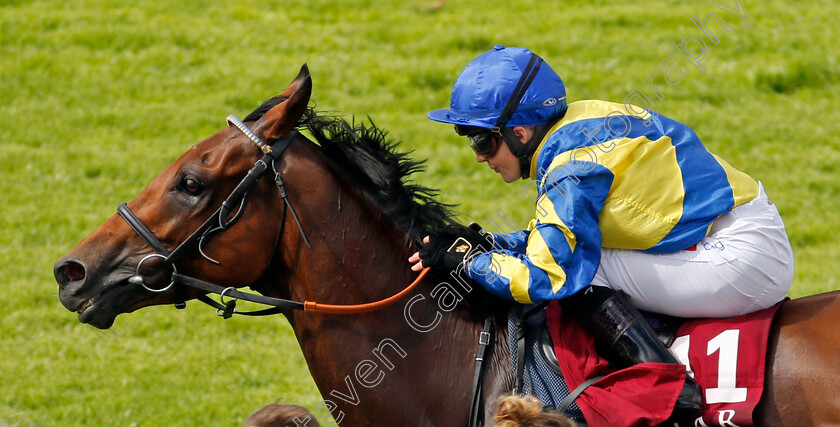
(716,347)
(645,394)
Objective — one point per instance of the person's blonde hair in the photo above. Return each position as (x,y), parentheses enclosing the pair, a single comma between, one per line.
(280,415)
(526,411)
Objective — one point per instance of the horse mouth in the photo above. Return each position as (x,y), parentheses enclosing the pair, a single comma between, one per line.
(102,309)
(86,306)
(97,314)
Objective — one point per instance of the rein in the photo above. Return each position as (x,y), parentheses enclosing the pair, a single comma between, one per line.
(218,222)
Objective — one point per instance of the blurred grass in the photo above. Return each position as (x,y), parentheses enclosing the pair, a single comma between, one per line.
(98,96)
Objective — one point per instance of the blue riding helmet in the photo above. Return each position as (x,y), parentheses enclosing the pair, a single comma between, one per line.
(487,83)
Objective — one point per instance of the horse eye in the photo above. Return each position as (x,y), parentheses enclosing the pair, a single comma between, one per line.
(191,186)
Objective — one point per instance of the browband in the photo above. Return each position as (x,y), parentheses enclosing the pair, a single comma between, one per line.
(275,149)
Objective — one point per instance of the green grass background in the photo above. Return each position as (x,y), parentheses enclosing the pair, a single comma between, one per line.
(98,96)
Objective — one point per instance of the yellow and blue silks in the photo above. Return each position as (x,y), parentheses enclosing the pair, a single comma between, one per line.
(609,179)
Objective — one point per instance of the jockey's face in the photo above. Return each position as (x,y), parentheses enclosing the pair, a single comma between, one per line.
(502,161)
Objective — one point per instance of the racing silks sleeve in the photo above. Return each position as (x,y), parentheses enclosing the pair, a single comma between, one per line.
(515,241)
(563,248)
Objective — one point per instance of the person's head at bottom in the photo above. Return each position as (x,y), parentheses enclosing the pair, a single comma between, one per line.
(526,411)
(281,415)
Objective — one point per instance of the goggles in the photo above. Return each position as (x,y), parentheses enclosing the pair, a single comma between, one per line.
(482,140)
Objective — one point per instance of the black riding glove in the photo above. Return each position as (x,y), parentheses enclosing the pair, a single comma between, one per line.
(449,248)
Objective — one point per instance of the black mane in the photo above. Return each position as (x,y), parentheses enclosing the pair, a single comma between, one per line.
(372,163)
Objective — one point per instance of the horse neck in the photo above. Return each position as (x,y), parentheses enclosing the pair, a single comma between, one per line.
(358,254)
(408,364)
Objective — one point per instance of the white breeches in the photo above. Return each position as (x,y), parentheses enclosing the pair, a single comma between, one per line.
(744,264)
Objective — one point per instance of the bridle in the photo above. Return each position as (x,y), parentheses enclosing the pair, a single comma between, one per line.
(219,222)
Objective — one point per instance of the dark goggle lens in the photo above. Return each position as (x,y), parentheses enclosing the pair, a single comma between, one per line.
(482,143)
(482,140)
(463,130)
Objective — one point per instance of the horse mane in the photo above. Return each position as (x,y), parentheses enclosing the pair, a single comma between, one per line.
(372,163)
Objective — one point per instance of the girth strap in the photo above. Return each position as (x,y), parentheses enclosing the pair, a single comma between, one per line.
(567,402)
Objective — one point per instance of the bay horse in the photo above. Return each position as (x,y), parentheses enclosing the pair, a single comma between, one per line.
(336,225)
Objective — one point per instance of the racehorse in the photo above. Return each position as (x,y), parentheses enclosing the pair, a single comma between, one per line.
(336,226)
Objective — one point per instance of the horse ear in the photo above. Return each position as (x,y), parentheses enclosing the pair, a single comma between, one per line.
(279,120)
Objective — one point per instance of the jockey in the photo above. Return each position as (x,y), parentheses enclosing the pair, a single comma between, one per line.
(631,209)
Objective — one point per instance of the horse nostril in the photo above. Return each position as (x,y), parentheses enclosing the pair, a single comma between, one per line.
(75,271)
(70,272)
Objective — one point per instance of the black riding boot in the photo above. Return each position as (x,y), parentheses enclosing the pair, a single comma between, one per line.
(609,316)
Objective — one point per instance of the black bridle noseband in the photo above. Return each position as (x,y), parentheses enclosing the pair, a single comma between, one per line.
(218,222)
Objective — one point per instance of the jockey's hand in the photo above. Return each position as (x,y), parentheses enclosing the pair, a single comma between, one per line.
(447,249)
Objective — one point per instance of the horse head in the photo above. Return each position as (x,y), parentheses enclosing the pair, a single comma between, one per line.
(95,278)
(209,218)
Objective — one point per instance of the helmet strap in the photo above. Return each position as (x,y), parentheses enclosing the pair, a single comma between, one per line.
(518,92)
(523,152)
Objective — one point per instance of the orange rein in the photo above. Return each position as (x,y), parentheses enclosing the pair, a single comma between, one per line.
(314,307)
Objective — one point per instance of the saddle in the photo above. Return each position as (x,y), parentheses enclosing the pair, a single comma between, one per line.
(665,327)
(725,356)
